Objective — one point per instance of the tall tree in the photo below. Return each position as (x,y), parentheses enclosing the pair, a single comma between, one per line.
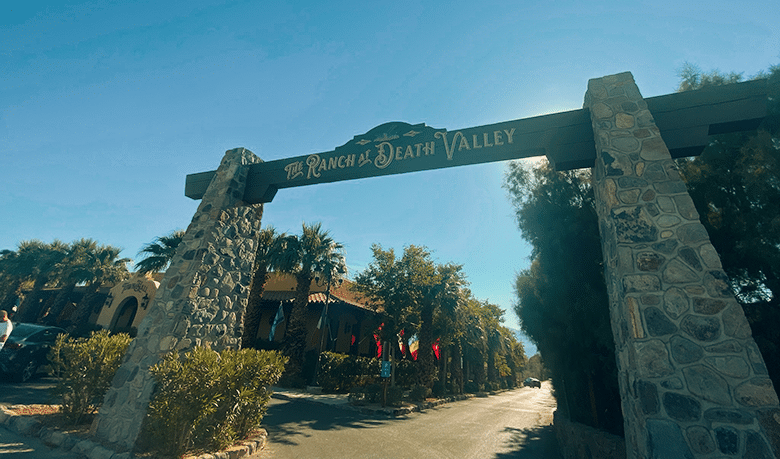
(159,253)
(410,293)
(16,269)
(47,257)
(561,299)
(304,256)
(440,295)
(73,270)
(270,247)
(102,266)
(735,185)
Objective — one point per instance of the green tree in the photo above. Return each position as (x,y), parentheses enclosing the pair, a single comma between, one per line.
(101,266)
(410,293)
(46,259)
(561,298)
(304,256)
(735,185)
(270,247)
(72,270)
(159,253)
(19,267)
(385,288)
(474,344)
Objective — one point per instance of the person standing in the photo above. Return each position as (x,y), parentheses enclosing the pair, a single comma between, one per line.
(5,327)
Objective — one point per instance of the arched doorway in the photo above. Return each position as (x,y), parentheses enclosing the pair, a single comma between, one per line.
(125,316)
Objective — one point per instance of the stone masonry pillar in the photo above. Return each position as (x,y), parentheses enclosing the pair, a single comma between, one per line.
(200,302)
(692,381)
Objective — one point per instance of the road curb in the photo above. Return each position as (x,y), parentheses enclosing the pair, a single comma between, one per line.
(29,426)
(382,411)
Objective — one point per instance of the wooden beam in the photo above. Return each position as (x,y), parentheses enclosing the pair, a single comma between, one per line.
(686,121)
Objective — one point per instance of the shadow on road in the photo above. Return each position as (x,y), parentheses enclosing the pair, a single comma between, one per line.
(285,420)
(32,392)
(531,444)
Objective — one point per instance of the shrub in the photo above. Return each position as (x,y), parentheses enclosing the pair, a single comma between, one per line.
(439,389)
(370,393)
(395,395)
(419,393)
(471,387)
(341,372)
(84,368)
(206,399)
(405,372)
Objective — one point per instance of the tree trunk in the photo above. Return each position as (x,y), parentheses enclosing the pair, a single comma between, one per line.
(30,308)
(253,308)
(425,360)
(457,369)
(10,298)
(295,339)
(62,300)
(83,310)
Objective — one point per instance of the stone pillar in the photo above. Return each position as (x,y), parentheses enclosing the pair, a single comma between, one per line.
(200,301)
(692,381)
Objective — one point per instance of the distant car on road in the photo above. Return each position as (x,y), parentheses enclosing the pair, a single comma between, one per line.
(26,350)
(532,382)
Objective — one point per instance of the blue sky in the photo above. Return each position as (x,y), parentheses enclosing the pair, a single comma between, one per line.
(106,106)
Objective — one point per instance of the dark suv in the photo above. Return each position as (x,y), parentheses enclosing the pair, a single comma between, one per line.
(26,350)
(532,382)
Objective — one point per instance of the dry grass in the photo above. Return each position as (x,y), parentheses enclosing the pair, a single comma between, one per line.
(50,416)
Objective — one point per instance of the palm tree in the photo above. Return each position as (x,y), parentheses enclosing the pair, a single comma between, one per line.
(20,267)
(71,271)
(270,246)
(11,278)
(47,258)
(103,266)
(441,294)
(314,251)
(158,254)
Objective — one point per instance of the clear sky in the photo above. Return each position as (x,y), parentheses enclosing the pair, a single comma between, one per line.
(106,106)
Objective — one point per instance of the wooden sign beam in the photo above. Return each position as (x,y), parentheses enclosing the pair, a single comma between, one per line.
(686,120)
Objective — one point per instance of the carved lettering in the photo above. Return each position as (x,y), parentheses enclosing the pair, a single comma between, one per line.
(386,152)
(450,149)
(294,170)
(497,139)
(312,161)
(365,158)
(464,144)
(509,134)
(382,160)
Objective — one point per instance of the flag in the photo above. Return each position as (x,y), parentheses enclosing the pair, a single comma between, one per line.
(323,317)
(277,320)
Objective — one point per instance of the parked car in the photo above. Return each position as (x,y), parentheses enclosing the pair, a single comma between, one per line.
(532,382)
(27,349)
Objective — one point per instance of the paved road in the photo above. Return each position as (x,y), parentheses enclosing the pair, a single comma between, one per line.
(32,392)
(515,424)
